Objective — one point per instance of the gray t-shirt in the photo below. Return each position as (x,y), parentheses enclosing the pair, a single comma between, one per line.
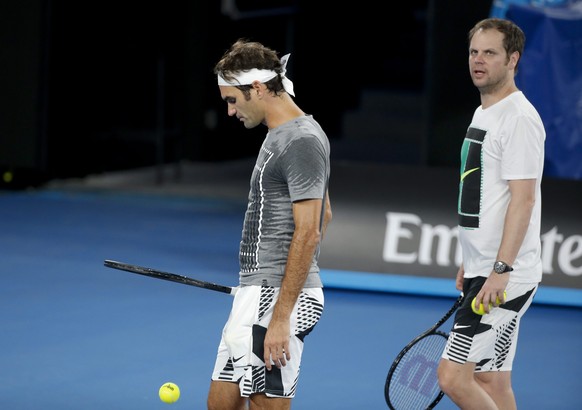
(292,165)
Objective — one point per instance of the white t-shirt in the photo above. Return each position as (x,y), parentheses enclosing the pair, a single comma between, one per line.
(504,142)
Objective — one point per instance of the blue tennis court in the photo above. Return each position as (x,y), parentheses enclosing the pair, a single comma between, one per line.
(77,335)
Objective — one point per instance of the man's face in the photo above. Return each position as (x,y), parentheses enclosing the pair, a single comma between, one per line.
(489,65)
(245,110)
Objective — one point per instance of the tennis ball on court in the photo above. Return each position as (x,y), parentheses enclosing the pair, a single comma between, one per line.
(481,310)
(169,393)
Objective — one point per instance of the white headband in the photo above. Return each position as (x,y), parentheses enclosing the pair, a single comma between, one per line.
(247,77)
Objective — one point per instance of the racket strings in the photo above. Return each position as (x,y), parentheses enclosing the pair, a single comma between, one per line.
(413,383)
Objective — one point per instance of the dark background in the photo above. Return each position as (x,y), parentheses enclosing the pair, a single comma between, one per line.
(96,86)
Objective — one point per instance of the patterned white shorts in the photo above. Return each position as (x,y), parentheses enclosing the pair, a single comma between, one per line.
(240,353)
(488,340)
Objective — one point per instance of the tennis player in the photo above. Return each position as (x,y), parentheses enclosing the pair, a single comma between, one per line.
(499,203)
(280,298)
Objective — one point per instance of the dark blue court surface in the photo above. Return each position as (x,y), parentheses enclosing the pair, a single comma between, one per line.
(78,335)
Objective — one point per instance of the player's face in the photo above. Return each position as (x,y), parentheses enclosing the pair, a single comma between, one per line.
(489,65)
(245,110)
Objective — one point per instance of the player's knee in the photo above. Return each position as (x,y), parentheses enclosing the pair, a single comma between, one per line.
(496,384)
(448,382)
(222,403)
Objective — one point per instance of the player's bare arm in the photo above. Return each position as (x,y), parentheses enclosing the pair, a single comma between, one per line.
(306,215)
(517,221)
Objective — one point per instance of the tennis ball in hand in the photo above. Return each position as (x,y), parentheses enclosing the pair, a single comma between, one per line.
(169,393)
(481,310)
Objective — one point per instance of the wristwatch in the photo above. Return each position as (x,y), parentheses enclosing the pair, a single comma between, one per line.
(501,267)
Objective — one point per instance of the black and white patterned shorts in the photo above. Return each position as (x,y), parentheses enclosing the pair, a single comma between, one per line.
(240,353)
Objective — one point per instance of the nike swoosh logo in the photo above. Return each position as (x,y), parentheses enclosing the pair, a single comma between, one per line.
(236,360)
(457,326)
(464,174)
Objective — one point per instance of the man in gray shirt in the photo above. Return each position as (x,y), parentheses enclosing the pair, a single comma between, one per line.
(280,297)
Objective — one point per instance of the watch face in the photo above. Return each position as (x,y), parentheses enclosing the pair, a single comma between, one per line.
(499,267)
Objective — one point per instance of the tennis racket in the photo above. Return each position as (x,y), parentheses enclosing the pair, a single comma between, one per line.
(412,382)
(154,273)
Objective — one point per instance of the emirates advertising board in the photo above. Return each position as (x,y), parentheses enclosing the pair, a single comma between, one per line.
(392,220)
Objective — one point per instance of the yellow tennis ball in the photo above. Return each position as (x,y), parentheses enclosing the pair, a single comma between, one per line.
(481,310)
(169,393)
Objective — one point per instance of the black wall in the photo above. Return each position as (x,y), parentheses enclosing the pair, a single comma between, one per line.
(23,104)
(99,86)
